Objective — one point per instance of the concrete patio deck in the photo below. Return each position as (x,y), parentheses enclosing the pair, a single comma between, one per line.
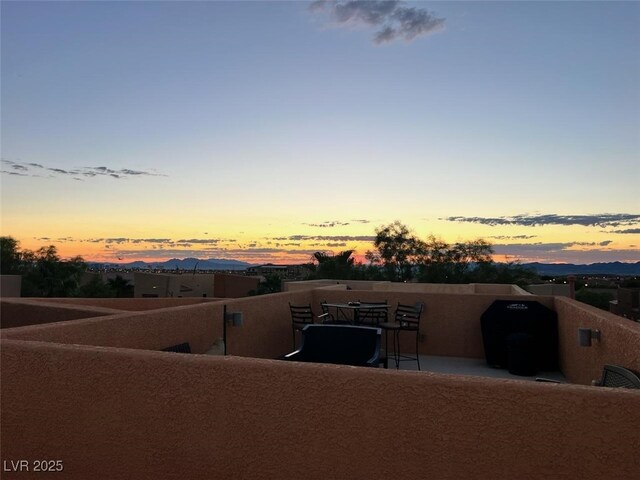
(476,367)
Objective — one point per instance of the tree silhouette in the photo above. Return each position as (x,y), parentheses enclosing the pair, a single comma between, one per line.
(121,287)
(10,257)
(338,266)
(47,275)
(397,249)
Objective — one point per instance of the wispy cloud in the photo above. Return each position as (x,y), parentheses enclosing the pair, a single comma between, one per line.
(578,252)
(549,247)
(392,19)
(599,220)
(328,238)
(513,237)
(632,231)
(327,224)
(204,241)
(31,169)
(336,223)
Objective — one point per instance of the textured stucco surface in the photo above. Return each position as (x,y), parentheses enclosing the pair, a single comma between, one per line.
(620,343)
(450,322)
(110,413)
(19,312)
(200,325)
(450,326)
(131,304)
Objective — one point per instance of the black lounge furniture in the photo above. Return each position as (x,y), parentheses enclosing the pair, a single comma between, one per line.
(179,348)
(521,336)
(615,376)
(338,344)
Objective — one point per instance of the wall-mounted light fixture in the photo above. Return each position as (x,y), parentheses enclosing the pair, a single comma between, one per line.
(586,336)
(233,318)
(229,318)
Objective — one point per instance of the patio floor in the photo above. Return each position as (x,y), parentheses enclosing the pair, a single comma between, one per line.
(476,367)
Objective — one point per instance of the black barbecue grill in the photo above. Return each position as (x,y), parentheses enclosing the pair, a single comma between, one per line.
(521,336)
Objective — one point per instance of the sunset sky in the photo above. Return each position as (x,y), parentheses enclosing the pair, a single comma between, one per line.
(266,131)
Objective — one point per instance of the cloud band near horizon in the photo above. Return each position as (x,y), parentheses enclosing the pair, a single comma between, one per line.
(24,169)
(598,220)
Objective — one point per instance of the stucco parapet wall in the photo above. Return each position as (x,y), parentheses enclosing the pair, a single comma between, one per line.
(108,411)
(148,330)
(130,304)
(386,286)
(18,312)
(55,303)
(619,343)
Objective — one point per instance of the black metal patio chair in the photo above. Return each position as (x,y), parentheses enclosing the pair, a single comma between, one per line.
(301,316)
(406,319)
(372,317)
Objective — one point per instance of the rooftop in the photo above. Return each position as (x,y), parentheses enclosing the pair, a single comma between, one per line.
(93,390)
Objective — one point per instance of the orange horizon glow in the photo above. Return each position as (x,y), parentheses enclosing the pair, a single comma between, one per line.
(248,251)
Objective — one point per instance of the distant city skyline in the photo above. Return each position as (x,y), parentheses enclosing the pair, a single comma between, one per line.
(267,131)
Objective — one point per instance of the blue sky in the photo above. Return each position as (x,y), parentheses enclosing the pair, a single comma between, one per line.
(238,123)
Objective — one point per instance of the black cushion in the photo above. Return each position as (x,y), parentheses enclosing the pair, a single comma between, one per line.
(179,348)
(339,344)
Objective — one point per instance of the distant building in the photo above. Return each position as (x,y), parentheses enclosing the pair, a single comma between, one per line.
(219,285)
(628,303)
(296,272)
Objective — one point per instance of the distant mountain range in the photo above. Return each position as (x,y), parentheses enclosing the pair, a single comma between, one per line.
(611,268)
(180,264)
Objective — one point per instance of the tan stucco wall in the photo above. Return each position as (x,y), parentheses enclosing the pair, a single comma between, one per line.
(129,304)
(450,322)
(550,289)
(498,289)
(10,285)
(620,342)
(114,414)
(161,285)
(450,326)
(309,285)
(423,288)
(21,311)
(265,333)
(385,286)
(200,325)
(233,286)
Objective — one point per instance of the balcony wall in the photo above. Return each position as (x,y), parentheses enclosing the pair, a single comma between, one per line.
(450,326)
(620,342)
(130,304)
(386,286)
(266,330)
(19,312)
(117,413)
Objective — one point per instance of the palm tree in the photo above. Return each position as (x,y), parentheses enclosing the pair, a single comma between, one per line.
(121,287)
(338,266)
